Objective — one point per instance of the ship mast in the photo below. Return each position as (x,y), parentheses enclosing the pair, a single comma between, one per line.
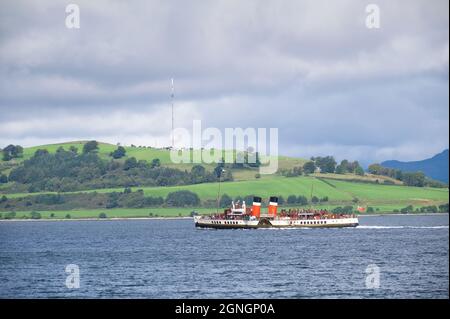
(172,97)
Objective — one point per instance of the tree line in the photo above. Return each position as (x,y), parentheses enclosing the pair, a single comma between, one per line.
(326,164)
(417,179)
(133,199)
(67,170)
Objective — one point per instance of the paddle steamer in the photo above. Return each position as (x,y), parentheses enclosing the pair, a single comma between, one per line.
(240,216)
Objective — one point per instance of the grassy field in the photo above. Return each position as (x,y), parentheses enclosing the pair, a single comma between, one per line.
(116,213)
(340,189)
(338,192)
(148,154)
(158,212)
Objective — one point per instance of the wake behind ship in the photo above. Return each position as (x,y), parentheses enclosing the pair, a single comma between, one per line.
(240,216)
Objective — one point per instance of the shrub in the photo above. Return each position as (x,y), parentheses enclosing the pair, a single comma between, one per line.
(68,216)
(35,215)
(292,199)
(91,146)
(429,209)
(182,198)
(3,179)
(302,200)
(102,215)
(324,199)
(10,215)
(347,209)
(118,153)
(443,208)
(407,209)
(225,201)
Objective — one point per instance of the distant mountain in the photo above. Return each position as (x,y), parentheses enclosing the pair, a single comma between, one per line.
(435,167)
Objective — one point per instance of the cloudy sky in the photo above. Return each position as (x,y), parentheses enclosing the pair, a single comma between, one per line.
(311,68)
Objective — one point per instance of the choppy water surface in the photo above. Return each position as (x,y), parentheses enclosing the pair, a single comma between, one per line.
(172,259)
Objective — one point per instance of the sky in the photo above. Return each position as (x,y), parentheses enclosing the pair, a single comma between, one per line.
(312,69)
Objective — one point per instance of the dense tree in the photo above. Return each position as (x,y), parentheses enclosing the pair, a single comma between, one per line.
(340,169)
(302,200)
(182,198)
(359,171)
(198,173)
(407,210)
(326,164)
(155,163)
(414,179)
(225,201)
(130,163)
(90,147)
(309,167)
(292,199)
(443,208)
(67,171)
(3,179)
(40,152)
(12,151)
(294,172)
(119,152)
(35,215)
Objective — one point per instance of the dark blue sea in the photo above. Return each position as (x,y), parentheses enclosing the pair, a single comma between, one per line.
(386,257)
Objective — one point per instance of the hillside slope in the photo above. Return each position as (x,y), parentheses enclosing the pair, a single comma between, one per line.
(435,167)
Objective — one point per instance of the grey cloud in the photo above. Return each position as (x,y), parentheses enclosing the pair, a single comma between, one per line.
(310,68)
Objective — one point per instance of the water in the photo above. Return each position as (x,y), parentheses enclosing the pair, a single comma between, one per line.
(172,259)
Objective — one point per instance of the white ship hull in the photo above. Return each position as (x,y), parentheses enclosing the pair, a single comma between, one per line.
(275,223)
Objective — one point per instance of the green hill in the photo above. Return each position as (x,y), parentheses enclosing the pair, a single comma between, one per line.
(147,154)
(347,189)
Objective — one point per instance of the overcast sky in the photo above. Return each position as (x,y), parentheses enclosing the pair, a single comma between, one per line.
(311,68)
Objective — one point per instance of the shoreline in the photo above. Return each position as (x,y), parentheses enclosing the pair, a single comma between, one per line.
(91,219)
(178,218)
